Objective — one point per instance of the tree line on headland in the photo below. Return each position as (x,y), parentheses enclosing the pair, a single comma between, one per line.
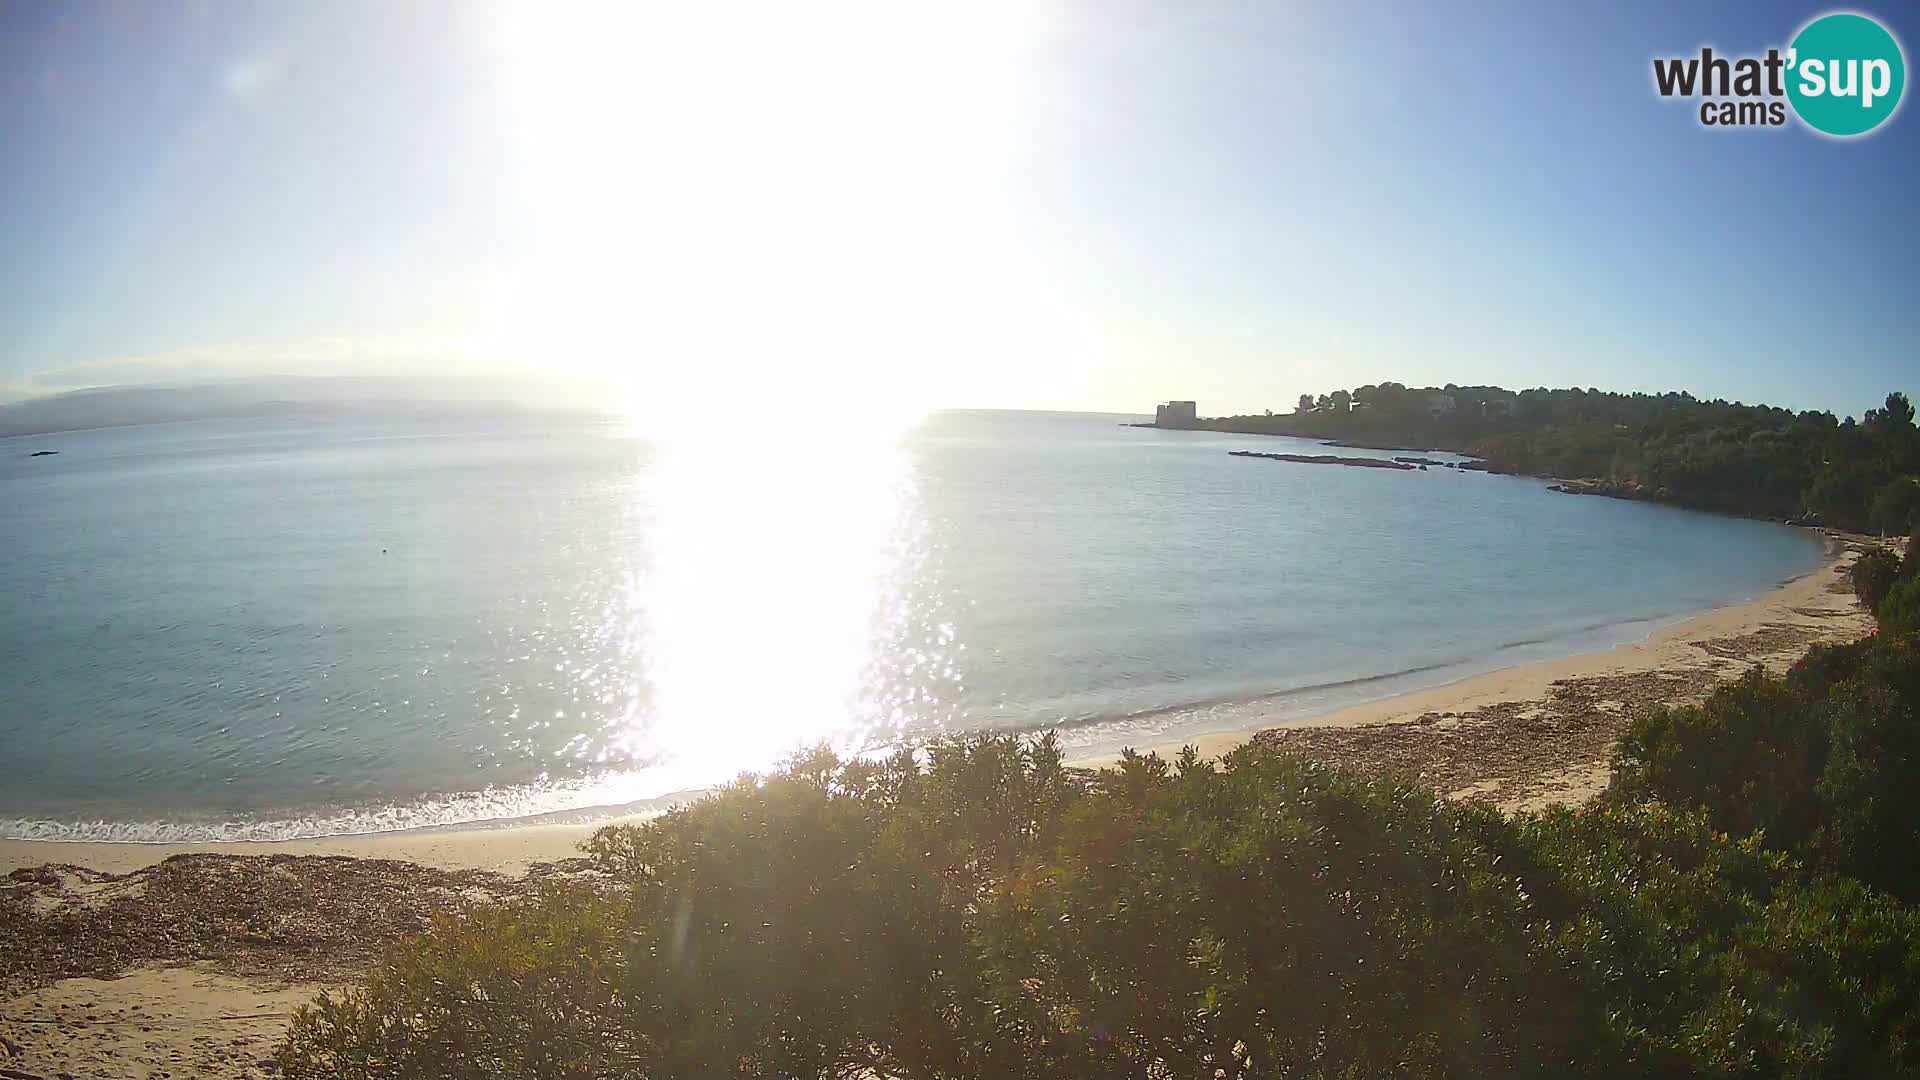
(1860,475)
(1742,902)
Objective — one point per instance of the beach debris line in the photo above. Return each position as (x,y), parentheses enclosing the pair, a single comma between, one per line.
(299,918)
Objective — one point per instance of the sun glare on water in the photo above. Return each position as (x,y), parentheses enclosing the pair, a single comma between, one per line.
(776,231)
(772,582)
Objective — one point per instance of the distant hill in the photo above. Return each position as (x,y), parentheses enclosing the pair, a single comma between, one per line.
(122,406)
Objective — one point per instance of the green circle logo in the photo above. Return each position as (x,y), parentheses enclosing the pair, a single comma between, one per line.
(1845,74)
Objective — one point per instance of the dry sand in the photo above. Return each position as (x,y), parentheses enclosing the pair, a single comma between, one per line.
(190,967)
(150,1022)
(247,939)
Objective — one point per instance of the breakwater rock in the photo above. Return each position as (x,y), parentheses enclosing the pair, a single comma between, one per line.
(1328,459)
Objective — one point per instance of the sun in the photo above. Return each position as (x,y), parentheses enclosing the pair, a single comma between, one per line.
(773,211)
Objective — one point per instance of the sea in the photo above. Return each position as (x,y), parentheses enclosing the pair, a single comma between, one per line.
(343,622)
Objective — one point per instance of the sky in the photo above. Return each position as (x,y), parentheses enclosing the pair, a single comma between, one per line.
(754,209)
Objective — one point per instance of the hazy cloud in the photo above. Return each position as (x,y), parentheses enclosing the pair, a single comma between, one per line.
(451,361)
(318,357)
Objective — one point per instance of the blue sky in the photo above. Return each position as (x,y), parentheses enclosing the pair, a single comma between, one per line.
(1090,205)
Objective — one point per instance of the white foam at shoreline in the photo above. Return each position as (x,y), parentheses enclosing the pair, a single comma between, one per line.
(625,793)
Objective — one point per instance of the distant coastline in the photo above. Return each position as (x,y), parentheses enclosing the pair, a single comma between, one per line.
(1753,461)
(105,407)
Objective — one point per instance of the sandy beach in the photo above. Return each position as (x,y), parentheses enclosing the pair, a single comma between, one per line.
(1529,736)
(114,963)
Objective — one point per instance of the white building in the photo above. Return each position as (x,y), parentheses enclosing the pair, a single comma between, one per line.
(1440,405)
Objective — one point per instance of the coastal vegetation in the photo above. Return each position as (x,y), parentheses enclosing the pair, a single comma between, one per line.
(1861,475)
(1819,761)
(1740,903)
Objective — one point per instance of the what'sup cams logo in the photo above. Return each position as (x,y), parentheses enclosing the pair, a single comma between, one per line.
(1842,76)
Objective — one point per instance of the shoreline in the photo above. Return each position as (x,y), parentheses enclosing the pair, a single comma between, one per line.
(1573,704)
(150,965)
(1800,612)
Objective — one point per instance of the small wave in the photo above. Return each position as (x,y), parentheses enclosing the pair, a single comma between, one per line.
(564,802)
(1651,622)
(1199,716)
(1192,705)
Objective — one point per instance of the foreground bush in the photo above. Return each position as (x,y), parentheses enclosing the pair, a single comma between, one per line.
(1821,762)
(1722,957)
(1750,756)
(1899,612)
(1873,574)
(990,914)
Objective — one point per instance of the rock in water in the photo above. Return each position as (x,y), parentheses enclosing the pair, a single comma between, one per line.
(1327,459)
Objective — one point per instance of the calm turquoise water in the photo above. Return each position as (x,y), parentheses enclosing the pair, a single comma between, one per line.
(306,626)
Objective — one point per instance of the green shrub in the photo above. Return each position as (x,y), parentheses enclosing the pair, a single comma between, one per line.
(809,923)
(1870,801)
(1322,924)
(1821,762)
(511,992)
(1873,575)
(1719,955)
(1821,667)
(987,916)
(1899,611)
(991,914)
(1750,757)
